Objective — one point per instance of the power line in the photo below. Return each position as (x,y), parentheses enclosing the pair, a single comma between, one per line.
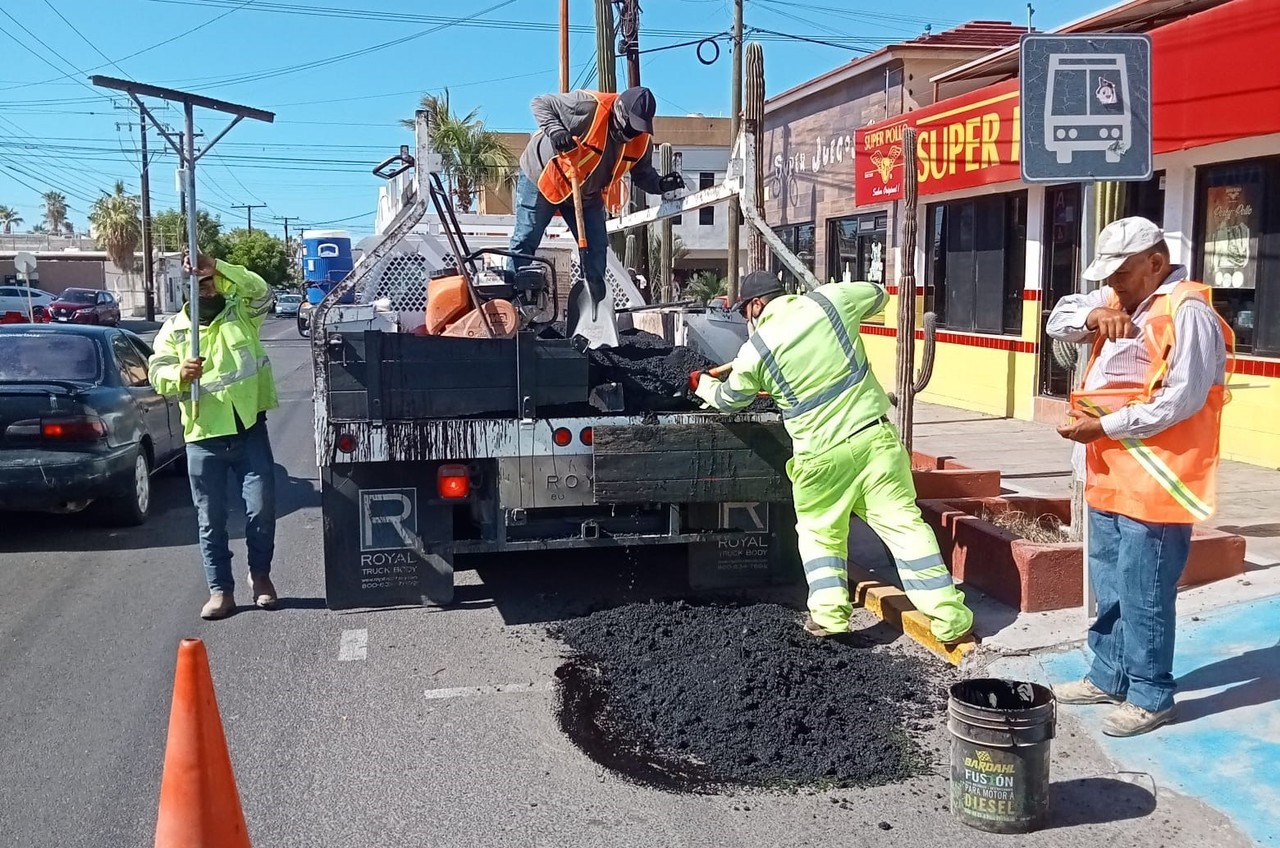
(92,46)
(41,41)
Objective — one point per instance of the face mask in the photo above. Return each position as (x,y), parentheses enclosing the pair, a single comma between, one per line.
(210,308)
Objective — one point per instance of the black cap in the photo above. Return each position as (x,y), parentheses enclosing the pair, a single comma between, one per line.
(639,106)
(757,284)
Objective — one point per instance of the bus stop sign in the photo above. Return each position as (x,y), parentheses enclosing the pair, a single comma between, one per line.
(1086,107)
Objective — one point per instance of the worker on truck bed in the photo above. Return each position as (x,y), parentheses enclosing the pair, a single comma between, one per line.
(1146,426)
(229,435)
(805,352)
(597,137)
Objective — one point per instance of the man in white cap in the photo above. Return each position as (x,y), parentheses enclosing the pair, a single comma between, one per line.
(1147,418)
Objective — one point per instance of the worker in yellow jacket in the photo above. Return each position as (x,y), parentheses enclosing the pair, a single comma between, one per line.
(228,436)
(804,351)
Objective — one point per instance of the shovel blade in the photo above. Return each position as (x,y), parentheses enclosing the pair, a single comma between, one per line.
(594,322)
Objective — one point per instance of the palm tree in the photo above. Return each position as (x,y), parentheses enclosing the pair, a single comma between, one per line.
(55,210)
(117,226)
(39,230)
(471,155)
(705,287)
(9,218)
(68,229)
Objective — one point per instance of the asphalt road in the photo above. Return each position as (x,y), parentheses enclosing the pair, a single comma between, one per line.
(399,728)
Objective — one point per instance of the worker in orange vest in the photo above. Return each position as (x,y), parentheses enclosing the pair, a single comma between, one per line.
(1147,418)
(594,138)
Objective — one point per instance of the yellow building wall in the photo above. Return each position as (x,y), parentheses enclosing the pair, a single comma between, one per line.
(1251,421)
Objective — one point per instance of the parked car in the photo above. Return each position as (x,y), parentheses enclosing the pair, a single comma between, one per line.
(80,422)
(287,305)
(85,306)
(14,299)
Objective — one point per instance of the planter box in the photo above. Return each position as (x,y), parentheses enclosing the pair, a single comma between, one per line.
(1035,576)
(943,477)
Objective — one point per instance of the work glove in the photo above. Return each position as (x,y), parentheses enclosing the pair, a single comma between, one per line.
(561,140)
(695,377)
(671,182)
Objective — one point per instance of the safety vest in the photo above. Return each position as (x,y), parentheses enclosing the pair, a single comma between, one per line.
(1171,477)
(555,184)
(237,373)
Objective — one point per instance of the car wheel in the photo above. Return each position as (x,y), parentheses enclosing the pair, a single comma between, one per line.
(303,329)
(132,506)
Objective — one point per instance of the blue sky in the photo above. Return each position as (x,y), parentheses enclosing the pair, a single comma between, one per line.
(336,114)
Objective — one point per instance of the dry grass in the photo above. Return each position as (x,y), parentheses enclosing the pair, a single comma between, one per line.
(1043,529)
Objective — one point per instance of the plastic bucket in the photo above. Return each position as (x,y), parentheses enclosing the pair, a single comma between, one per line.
(1000,736)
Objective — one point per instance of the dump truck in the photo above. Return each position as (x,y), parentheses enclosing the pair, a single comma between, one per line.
(452,417)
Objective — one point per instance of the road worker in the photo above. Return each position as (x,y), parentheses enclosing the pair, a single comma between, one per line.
(228,437)
(1147,418)
(805,352)
(595,138)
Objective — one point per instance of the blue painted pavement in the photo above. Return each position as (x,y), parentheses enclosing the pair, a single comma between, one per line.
(1224,745)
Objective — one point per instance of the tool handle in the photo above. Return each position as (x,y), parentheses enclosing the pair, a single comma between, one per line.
(721,370)
(577,209)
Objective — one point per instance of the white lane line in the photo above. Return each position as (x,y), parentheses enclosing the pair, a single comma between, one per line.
(499,689)
(354,645)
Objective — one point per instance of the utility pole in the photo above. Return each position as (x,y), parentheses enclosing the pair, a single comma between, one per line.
(148,261)
(564,46)
(287,249)
(735,124)
(248,208)
(630,45)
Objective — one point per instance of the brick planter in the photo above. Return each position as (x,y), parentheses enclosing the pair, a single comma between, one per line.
(943,477)
(1034,576)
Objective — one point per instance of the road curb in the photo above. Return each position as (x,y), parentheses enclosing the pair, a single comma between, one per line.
(889,604)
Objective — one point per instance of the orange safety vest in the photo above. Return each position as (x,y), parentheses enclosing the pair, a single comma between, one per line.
(1171,477)
(555,183)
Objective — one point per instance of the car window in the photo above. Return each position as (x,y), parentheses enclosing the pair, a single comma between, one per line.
(142,346)
(49,356)
(8,292)
(79,296)
(133,367)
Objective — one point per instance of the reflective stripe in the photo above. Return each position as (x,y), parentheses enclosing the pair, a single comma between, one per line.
(728,396)
(1156,467)
(924,562)
(857,370)
(160,360)
(832,582)
(837,326)
(243,372)
(881,300)
(834,562)
(771,365)
(925,584)
(828,394)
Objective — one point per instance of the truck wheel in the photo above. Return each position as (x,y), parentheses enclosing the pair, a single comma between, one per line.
(132,506)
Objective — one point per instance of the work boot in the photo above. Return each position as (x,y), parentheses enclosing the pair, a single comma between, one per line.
(1130,720)
(813,629)
(1084,692)
(264,591)
(219,605)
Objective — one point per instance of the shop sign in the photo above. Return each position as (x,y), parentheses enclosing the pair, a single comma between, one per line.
(962,142)
(1230,239)
(878,163)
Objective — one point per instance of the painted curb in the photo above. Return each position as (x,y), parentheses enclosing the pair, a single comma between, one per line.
(889,604)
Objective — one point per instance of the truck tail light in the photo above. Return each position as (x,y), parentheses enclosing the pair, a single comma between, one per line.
(346,443)
(80,429)
(586,436)
(562,437)
(453,482)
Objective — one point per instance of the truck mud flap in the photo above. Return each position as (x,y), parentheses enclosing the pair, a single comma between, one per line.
(762,551)
(385,542)
(721,460)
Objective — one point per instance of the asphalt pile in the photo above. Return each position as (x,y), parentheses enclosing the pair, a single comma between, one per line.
(701,698)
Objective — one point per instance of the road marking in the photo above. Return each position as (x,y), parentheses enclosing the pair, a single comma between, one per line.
(499,689)
(354,645)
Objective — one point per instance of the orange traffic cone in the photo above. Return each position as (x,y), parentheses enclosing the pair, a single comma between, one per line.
(199,803)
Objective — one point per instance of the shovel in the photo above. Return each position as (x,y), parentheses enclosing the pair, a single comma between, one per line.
(590,317)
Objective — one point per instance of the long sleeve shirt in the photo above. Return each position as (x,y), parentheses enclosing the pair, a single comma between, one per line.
(574,112)
(1198,361)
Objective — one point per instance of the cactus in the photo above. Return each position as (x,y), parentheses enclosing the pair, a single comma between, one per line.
(909,384)
(753,113)
(606,58)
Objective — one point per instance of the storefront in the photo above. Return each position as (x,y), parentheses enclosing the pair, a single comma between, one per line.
(994,254)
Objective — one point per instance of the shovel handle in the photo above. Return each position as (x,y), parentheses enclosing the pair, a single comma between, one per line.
(721,370)
(577,208)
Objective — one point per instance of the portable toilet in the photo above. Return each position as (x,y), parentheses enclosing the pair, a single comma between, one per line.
(326,261)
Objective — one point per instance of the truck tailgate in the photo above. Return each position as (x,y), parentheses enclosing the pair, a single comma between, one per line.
(721,460)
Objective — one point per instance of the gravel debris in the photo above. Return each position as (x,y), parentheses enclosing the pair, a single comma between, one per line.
(702,698)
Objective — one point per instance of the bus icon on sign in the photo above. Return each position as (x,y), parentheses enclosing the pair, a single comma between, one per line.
(1087,106)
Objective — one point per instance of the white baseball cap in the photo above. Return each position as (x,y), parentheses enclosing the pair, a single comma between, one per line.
(1117,242)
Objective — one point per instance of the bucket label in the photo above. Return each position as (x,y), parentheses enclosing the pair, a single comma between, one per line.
(989,786)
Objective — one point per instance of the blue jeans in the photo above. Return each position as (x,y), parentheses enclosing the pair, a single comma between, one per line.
(534,212)
(1134,568)
(248,459)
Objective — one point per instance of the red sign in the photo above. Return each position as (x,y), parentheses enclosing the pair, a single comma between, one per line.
(878,163)
(962,142)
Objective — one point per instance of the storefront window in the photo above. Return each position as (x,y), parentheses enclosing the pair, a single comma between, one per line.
(977,262)
(799,240)
(858,247)
(1238,248)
